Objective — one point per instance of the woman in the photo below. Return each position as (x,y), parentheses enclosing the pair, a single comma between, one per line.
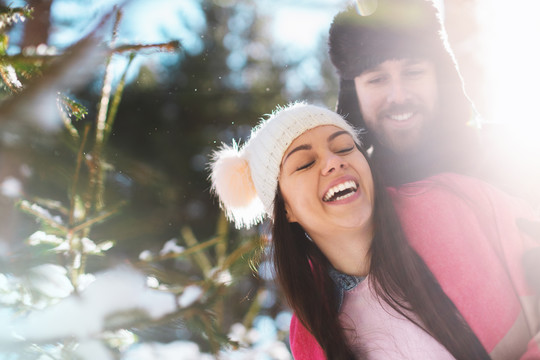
(342,258)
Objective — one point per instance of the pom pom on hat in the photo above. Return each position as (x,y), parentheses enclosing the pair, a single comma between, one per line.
(232,182)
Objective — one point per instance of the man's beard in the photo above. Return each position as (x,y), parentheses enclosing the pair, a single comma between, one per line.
(406,141)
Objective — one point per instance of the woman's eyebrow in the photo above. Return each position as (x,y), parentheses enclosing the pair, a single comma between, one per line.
(336,134)
(309,147)
(298,148)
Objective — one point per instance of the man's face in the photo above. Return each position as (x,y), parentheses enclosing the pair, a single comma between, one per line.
(398,100)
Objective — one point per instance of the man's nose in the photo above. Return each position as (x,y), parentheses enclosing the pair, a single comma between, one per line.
(398,92)
(333,162)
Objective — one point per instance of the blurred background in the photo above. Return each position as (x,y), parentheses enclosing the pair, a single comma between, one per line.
(108,112)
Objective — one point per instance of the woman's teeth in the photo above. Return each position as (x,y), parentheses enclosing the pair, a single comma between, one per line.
(340,191)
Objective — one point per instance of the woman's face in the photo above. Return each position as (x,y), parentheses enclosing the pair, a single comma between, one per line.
(327,184)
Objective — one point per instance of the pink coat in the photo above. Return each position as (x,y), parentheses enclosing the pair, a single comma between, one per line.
(465,231)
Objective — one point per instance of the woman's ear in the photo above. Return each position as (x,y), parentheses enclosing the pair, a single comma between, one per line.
(290,214)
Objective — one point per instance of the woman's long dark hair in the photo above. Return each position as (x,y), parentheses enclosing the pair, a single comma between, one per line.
(397,273)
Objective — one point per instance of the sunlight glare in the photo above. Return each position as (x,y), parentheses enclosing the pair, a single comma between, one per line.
(510,58)
(366,7)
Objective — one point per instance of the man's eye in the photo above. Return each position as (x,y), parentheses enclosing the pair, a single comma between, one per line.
(305,166)
(376,80)
(415,72)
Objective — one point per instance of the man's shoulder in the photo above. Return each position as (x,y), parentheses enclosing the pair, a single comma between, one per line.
(442,187)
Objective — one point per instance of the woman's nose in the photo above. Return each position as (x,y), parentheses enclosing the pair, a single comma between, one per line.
(333,162)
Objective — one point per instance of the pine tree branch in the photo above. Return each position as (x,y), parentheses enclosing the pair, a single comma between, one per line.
(75,181)
(170,46)
(97,219)
(116,100)
(42,215)
(200,257)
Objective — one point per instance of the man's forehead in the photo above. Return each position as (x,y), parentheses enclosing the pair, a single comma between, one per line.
(409,61)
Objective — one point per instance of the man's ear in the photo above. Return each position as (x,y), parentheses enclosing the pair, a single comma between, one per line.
(290,214)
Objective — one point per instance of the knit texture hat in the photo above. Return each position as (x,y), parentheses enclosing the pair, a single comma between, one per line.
(245,178)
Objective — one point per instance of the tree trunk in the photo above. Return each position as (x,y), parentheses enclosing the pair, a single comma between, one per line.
(37,29)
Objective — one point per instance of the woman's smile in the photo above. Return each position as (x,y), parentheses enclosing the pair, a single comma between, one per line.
(341,189)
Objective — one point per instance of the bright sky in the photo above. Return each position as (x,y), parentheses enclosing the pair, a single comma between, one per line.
(300,23)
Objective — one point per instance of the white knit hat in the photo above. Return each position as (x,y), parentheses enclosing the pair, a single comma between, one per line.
(245,179)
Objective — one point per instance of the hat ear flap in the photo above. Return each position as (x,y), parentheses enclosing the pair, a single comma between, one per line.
(231,180)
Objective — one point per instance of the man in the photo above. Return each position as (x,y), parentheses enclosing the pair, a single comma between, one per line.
(399,81)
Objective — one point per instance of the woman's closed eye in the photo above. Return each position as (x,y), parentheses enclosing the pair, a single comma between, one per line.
(305,166)
(342,151)
(346,150)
